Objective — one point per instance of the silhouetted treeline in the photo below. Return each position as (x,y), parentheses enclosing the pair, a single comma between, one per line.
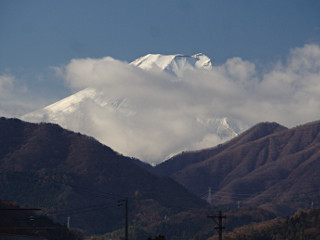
(15,220)
(303,225)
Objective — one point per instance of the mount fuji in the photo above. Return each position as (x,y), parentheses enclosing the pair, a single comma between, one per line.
(174,64)
(141,109)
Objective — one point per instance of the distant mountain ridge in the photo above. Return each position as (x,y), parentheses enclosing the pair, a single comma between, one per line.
(268,165)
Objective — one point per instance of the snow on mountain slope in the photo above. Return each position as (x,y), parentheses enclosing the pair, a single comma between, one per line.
(147,119)
(68,106)
(174,64)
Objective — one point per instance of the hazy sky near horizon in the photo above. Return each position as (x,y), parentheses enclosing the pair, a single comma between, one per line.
(37,36)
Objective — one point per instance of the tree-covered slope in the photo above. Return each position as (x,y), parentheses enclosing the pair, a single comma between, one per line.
(69,174)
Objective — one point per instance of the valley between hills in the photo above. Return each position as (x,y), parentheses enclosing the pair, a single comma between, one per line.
(261,176)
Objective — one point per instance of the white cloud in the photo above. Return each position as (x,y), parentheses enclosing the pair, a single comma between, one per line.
(159,114)
(13,99)
(8,105)
(6,84)
(290,92)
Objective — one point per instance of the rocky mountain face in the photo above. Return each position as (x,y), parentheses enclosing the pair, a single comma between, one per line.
(268,166)
(69,174)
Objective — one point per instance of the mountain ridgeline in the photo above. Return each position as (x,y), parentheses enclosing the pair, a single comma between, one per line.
(69,174)
(268,166)
(268,170)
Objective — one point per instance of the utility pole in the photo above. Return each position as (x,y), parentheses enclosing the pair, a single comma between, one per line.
(209,196)
(219,223)
(68,222)
(120,203)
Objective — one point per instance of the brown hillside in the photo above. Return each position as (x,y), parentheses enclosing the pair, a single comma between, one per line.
(43,165)
(185,159)
(267,165)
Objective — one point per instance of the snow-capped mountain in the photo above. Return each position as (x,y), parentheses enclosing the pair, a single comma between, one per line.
(138,121)
(174,64)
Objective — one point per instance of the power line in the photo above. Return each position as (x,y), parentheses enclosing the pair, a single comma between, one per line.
(75,211)
(243,195)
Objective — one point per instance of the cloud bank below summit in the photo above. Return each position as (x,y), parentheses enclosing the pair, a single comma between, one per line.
(158,114)
(288,93)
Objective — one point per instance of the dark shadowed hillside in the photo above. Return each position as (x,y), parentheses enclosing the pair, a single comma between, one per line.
(69,174)
(303,225)
(16,222)
(268,165)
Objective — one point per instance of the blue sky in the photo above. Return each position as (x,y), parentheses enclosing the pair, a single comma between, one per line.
(37,35)
(41,33)
(266,57)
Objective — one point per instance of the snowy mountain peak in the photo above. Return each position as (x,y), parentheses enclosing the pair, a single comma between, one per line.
(174,64)
(139,117)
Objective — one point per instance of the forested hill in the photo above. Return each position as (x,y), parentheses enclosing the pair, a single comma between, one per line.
(268,165)
(69,174)
(303,225)
(19,221)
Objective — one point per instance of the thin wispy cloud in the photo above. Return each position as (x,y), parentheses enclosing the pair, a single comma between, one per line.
(6,84)
(13,102)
